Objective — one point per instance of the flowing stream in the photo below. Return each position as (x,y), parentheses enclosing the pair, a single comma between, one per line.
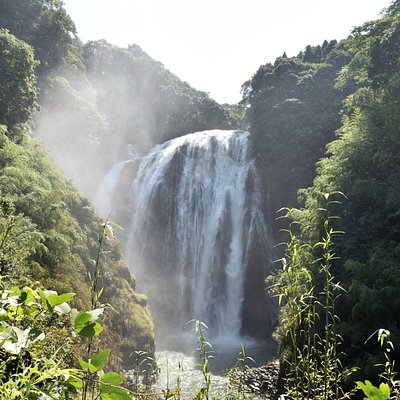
(181,364)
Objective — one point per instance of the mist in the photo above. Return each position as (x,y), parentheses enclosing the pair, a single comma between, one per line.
(100,123)
(123,99)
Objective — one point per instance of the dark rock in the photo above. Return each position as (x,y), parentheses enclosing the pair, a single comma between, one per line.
(262,380)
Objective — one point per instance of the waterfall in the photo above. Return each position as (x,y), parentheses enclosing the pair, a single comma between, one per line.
(103,199)
(104,196)
(198,242)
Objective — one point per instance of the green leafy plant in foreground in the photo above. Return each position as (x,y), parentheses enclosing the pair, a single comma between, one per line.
(237,374)
(26,316)
(389,389)
(97,384)
(306,289)
(310,344)
(204,349)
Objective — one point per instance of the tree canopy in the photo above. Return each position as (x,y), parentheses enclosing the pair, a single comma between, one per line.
(18,91)
(46,26)
(293,111)
(364,163)
(49,232)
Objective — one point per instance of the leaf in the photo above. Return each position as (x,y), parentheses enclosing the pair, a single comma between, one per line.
(96,313)
(51,299)
(374,393)
(116,225)
(26,295)
(81,319)
(55,302)
(55,299)
(75,382)
(35,334)
(45,303)
(109,387)
(63,308)
(90,330)
(385,390)
(17,339)
(98,360)
(84,322)
(112,378)
(86,366)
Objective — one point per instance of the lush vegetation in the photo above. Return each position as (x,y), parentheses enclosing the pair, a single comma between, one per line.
(312,357)
(293,112)
(348,89)
(96,97)
(46,26)
(145,102)
(364,164)
(49,232)
(37,341)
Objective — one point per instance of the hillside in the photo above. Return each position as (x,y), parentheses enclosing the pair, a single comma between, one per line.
(49,232)
(344,96)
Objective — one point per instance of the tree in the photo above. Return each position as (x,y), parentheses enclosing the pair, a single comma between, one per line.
(17,80)
(47,27)
(364,163)
(293,111)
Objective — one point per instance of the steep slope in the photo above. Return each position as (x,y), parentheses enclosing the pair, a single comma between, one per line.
(364,164)
(54,230)
(293,111)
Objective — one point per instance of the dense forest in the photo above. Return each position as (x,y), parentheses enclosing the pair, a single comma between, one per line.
(344,96)
(324,125)
(49,231)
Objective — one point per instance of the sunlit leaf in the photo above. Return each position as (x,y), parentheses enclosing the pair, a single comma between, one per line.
(98,360)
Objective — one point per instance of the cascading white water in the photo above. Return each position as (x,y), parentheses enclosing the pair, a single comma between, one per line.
(196,224)
(103,199)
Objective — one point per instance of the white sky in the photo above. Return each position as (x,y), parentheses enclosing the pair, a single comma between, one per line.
(216,45)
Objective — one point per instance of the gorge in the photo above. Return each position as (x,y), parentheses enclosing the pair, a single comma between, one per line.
(93,128)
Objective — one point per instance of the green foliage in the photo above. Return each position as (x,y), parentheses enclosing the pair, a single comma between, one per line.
(374,393)
(160,105)
(375,51)
(364,163)
(390,389)
(295,106)
(25,370)
(237,374)
(204,355)
(86,324)
(308,293)
(17,80)
(47,27)
(50,235)
(293,112)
